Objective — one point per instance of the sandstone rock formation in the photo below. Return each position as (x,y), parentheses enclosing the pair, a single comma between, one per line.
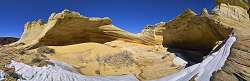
(121,58)
(59,72)
(154,32)
(230,11)
(191,32)
(204,12)
(61,28)
(7,40)
(95,47)
(237,65)
(241,3)
(204,70)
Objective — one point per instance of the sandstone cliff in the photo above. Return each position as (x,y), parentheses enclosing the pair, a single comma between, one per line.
(95,47)
(237,65)
(154,32)
(61,28)
(190,31)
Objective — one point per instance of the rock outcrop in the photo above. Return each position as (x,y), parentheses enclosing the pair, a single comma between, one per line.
(241,3)
(204,12)
(154,32)
(204,70)
(95,47)
(7,40)
(69,27)
(190,31)
(121,58)
(237,65)
(230,11)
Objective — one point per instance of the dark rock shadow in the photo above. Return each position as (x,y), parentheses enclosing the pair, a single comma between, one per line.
(192,56)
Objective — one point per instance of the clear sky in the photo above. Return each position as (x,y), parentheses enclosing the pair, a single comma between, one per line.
(130,15)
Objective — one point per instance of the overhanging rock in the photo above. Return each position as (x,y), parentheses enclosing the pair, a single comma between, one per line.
(190,31)
(69,27)
(206,68)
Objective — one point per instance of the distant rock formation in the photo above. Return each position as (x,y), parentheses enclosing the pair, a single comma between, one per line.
(7,40)
(154,32)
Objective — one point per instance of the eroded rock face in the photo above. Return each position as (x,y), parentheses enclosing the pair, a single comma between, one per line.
(241,3)
(154,32)
(189,31)
(117,58)
(95,47)
(69,27)
(237,65)
(230,11)
(204,12)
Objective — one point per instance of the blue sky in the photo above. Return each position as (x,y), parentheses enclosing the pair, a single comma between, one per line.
(130,15)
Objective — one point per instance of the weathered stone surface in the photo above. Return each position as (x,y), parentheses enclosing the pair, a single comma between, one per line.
(237,65)
(154,32)
(189,31)
(59,72)
(117,58)
(203,71)
(204,12)
(241,3)
(96,47)
(233,12)
(69,27)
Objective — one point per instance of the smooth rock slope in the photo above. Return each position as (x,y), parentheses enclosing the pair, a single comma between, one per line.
(61,28)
